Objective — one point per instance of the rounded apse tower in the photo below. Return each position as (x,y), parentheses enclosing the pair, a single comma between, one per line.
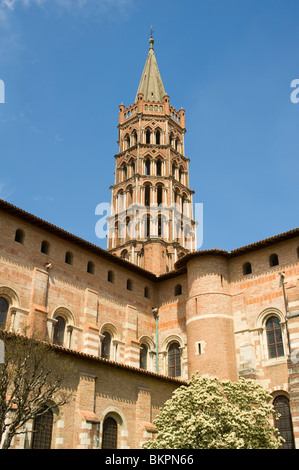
(209,317)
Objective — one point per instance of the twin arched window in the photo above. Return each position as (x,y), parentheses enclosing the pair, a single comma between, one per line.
(148,136)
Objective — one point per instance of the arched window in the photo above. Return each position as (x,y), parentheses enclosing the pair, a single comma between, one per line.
(177,229)
(148,137)
(129,284)
(4,305)
(130,196)
(274,337)
(159,168)
(19,236)
(180,174)
(143,357)
(125,255)
(42,430)
(160,222)
(147,293)
(174,360)
(148,225)
(128,228)
(110,276)
(158,137)
(147,167)
(284,423)
(90,267)
(109,440)
(45,247)
(159,194)
(273,260)
(116,231)
(106,345)
(147,195)
(120,201)
(69,258)
(247,268)
(59,331)
(178,289)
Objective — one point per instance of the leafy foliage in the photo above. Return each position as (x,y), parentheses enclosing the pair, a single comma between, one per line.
(32,380)
(213,414)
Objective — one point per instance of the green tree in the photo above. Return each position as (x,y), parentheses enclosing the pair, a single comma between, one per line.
(33,379)
(213,414)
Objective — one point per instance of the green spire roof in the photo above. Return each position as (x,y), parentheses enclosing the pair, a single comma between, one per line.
(151,84)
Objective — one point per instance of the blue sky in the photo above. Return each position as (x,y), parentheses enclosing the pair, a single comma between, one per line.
(68,64)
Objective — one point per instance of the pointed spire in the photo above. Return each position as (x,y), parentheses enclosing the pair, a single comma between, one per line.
(151,84)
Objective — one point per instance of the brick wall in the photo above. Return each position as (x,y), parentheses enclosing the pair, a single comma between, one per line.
(218,319)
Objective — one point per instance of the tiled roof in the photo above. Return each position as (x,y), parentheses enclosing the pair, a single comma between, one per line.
(40,223)
(118,365)
(181,263)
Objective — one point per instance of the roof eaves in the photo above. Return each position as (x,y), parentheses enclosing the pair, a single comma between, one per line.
(32,219)
(181,263)
(118,365)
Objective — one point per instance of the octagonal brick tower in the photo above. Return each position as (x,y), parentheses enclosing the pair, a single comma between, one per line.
(151,222)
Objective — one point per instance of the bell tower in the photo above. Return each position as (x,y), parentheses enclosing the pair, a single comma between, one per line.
(151,222)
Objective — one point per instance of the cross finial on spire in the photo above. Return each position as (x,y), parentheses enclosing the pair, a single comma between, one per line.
(151,41)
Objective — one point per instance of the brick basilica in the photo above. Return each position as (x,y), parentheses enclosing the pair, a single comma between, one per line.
(141,317)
